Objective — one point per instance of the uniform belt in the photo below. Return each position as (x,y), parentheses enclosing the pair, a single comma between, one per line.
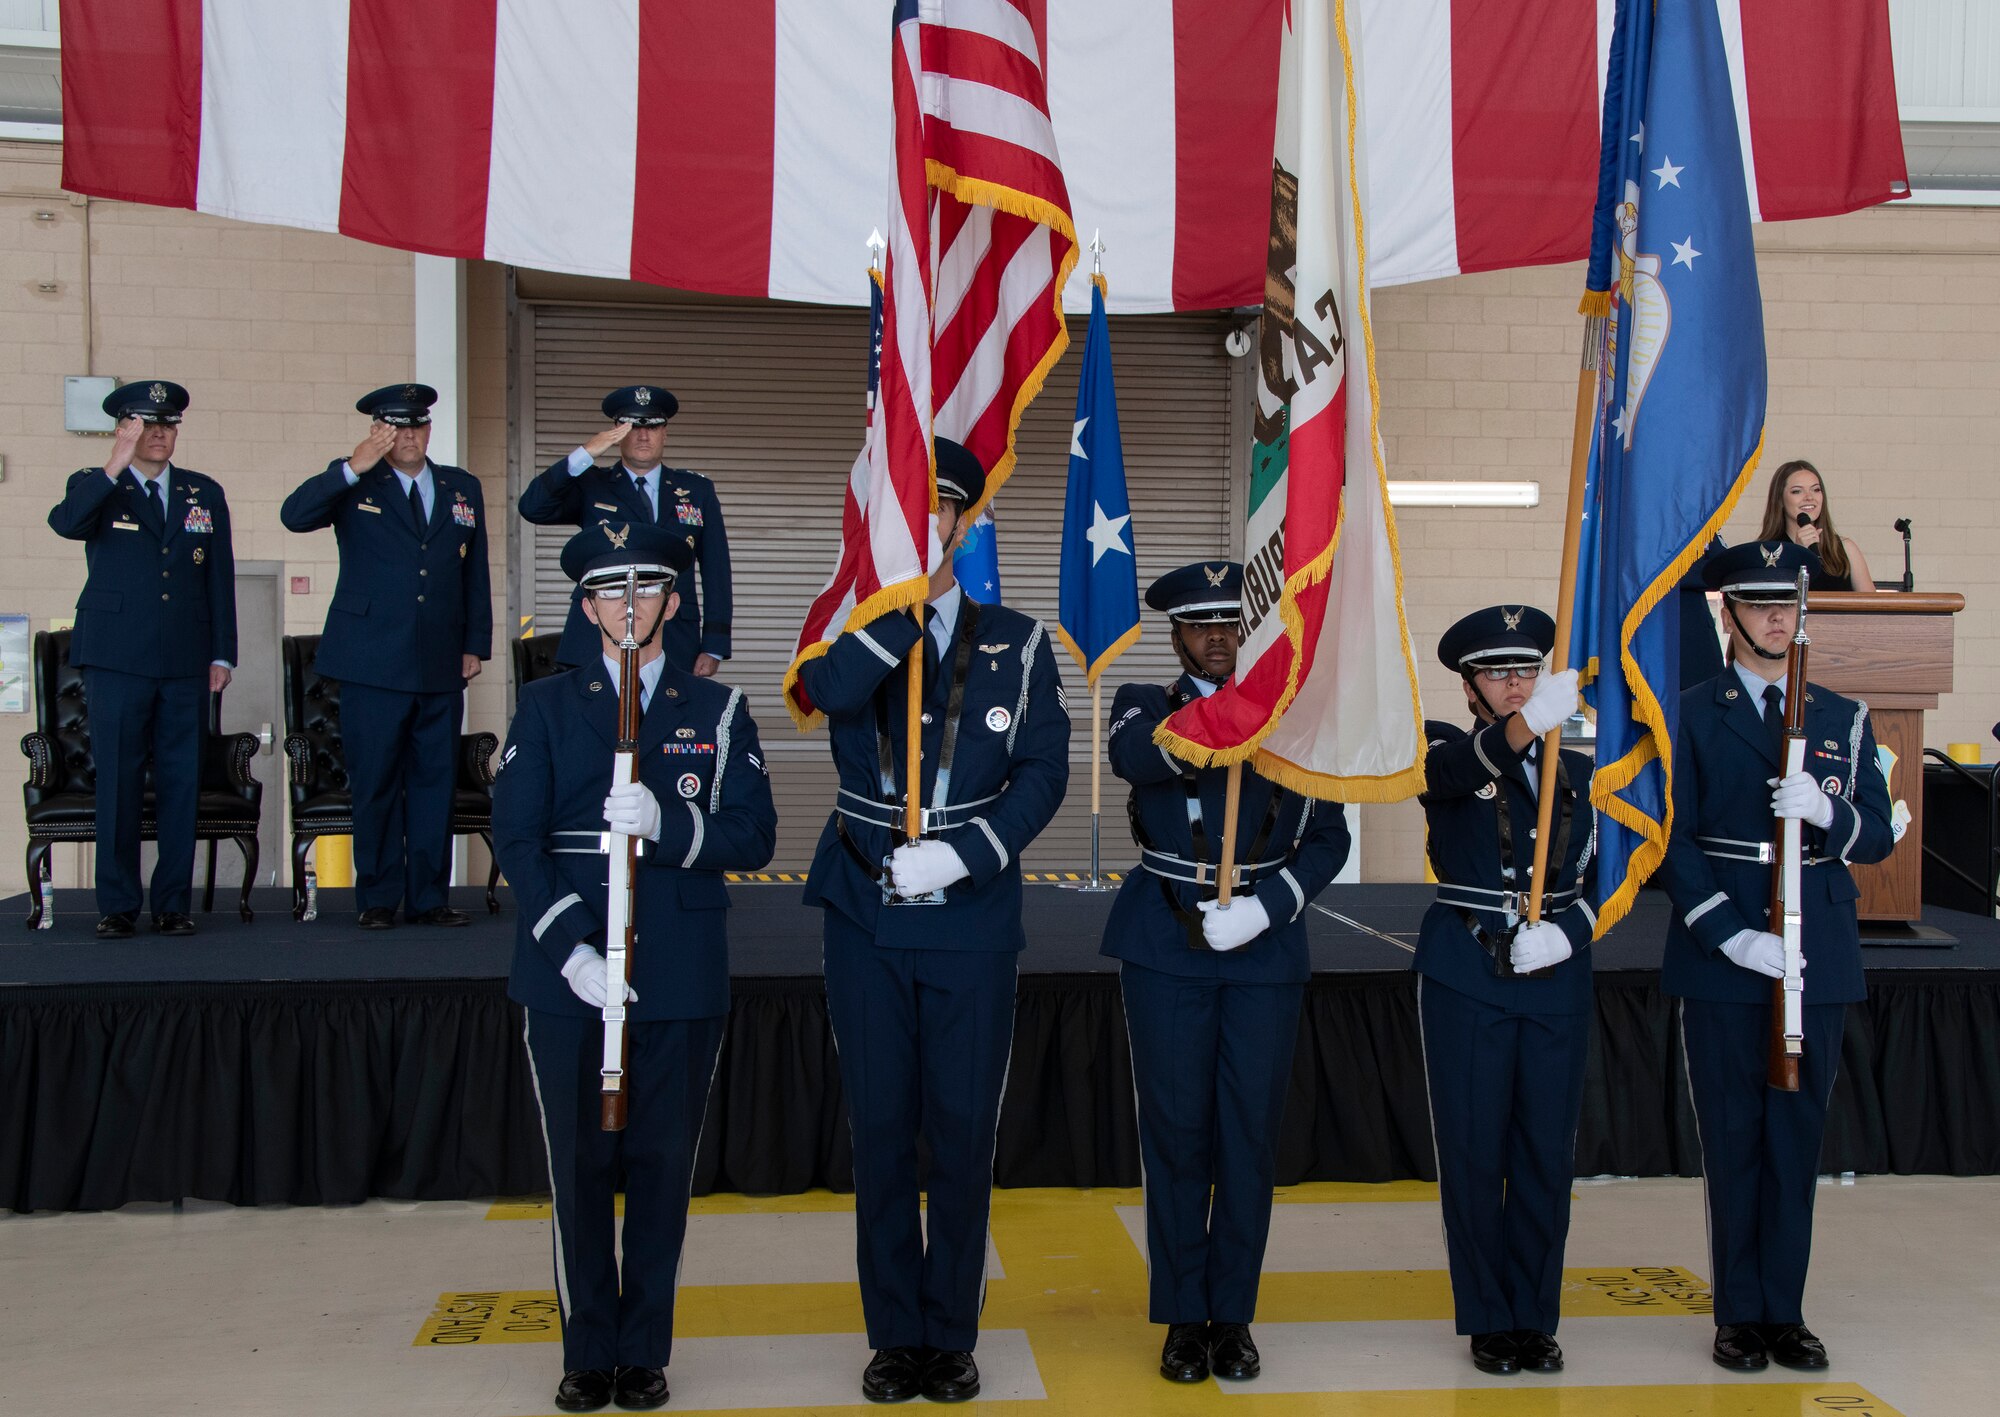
(1764,853)
(580,843)
(1205,873)
(891,816)
(1507,902)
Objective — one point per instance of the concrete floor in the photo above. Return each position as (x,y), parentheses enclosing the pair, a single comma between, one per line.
(444,1308)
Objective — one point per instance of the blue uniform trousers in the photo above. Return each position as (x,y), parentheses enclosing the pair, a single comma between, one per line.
(1506,1089)
(1759,1152)
(402,763)
(1211,1061)
(612,1320)
(130,714)
(924,1039)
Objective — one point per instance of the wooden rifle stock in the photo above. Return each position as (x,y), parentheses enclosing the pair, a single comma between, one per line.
(621,931)
(1787,1033)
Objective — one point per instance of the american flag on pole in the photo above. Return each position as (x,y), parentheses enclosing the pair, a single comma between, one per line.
(980,243)
(1325,692)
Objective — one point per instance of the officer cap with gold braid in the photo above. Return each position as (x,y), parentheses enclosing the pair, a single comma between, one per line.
(641,405)
(148,400)
(399,405)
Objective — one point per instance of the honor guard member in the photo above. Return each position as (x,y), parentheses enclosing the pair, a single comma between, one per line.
(575,492)
(1505,1006)
(702,806)
(411,620)
(1211,996)
(155,636)
(1760,1146)
(922,940)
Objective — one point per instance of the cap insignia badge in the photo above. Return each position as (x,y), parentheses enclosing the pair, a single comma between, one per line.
(1217,576)
(642,396)
(1771,554)
(410,392)
(158,393)
(1511,619)
(619,537)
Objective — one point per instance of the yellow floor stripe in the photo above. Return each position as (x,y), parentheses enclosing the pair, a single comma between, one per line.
(1360,1296)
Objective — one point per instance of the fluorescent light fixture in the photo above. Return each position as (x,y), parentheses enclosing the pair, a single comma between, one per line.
(1465,494)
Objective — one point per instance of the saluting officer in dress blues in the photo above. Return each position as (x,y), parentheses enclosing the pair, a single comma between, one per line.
(702,805)
(1760,1146)
(575,492)
(155,636)
(1211,996)
(922,940)
(1506,1006)
(410,622)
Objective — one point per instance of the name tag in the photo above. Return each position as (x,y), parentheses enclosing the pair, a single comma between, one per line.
(604,507)
(124,526)
(370,507)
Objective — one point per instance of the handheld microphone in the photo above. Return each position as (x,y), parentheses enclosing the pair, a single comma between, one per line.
(1805,520)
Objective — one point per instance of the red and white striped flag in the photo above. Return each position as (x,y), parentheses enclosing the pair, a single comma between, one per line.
(980,243)
(728,147)
(1325,692)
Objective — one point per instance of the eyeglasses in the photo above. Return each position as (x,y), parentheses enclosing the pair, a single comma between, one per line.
(1500,674)
(615,594)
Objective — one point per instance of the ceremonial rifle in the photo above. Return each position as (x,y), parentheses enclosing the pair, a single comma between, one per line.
(621,930)
(1788,1034)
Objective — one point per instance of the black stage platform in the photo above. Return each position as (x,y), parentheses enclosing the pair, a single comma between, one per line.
(317,1063)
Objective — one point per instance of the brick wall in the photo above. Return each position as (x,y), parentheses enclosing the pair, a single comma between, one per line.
(1884,334)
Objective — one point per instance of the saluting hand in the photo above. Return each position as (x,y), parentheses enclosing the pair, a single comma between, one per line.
(601,443)
(124,443)
(373,448)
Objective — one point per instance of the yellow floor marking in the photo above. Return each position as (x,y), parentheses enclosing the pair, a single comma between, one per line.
(1346,1192)
(1362,1296)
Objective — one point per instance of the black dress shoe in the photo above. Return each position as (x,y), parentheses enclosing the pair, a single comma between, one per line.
(1794,1346)
(117,926)
(583,1390)
(383,917)
(1496,1353)
(172,922)
(640,1389)
(1740,1348)
(1539,1352)
(894,1374)
(1232,1352)
(951,1377)
(1184,1357)
(443,915)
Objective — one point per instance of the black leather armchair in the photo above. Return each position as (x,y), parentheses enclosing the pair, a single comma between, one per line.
(60,793)
(535,658)
(323,803)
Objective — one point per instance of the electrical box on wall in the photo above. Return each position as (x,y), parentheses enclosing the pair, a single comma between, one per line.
(83,403)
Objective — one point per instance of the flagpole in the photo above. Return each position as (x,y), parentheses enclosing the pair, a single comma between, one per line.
(1579,468)
(1233,794)
(1096,774)
(913,735)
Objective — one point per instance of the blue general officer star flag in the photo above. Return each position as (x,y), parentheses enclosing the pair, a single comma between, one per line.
(1680,413)
(1098,616)
(976,563)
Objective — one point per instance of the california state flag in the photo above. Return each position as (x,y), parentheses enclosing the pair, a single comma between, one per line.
(1325,695)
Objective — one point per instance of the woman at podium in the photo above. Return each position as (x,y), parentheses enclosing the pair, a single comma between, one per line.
(1795,509)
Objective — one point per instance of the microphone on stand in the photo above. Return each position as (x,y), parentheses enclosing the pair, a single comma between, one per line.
(1909,580)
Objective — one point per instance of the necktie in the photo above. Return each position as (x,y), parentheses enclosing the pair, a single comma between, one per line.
(417,507)
(156,503)
(645,501)
(1774,717)
(930,646)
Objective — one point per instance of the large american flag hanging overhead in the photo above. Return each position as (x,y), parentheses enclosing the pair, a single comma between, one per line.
(980,242)
(736,148)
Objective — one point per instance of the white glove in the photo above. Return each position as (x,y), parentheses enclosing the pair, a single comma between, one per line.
(588,976)
(1799,796)
(633,810)
(1538,947)
(920,867)
(1230,929)
(1552,704)
(1758,951)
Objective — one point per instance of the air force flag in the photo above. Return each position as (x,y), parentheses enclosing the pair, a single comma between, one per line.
(1099,610)
(1680,414)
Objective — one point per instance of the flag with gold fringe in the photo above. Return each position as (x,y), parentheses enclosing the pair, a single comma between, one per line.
(1324,699)
(1680,413)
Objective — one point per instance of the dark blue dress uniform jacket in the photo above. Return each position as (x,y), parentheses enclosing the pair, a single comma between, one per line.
(687,502)
(408,606)
(699,754)
(157,604)
(1724,758)
(1464,777)
(1310,838)
(1013,746)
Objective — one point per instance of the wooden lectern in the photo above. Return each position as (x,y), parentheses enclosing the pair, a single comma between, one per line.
(1893,649)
